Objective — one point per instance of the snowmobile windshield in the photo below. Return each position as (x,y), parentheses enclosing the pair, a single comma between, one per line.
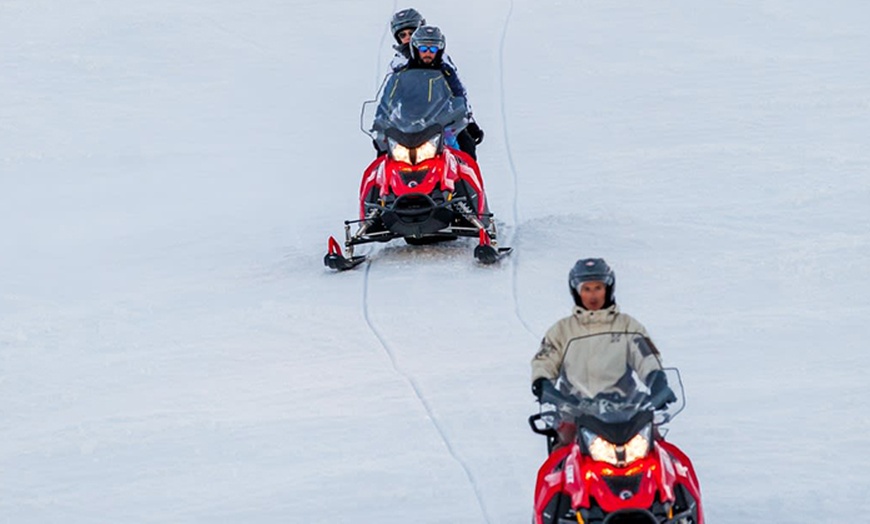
(414,100)
(599,378)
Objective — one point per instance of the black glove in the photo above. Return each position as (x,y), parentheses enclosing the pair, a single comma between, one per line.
(660,393)
(475,132)
(538,387)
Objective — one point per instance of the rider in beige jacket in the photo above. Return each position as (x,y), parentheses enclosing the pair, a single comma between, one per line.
(587,363)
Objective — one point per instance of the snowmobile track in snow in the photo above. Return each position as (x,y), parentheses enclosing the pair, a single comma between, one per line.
(418,393)
(415,387)
(514,175)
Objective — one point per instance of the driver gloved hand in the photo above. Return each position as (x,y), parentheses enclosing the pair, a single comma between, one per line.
(538,387)
(475,132)
(660,393)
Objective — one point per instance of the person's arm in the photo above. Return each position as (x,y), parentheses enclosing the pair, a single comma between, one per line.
(547,362)
(398,62)
(643,356)
(453,81)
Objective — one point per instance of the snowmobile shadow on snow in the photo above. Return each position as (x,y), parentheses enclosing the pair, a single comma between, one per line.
(419,188)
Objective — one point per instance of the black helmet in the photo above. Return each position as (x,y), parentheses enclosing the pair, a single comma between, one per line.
(428,35)
(406,19)
(592,270)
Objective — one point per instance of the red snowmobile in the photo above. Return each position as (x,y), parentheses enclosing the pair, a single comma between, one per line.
(421,187)
(618,467)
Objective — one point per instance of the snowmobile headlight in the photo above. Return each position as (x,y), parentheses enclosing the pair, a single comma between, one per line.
(428,149)
(415,155)
(599,449)
(399,152)
(603,451)
(638,447)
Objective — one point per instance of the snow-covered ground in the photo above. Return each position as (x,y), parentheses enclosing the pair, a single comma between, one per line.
(172,350)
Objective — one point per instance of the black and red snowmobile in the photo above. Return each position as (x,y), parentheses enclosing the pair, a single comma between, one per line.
(420,188)
(617,466)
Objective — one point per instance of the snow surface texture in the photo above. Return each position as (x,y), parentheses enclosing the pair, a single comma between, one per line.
(172,350)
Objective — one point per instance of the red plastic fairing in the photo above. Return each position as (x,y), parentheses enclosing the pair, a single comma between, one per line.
(578,476)
(372,176)
(550,482)
(685,473)
(470,172)
(593,483)
(445,169)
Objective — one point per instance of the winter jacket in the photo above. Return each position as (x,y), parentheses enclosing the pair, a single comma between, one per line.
(589,363)
(400,59)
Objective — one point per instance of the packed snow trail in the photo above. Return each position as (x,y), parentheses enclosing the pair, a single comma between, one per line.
(420,395)
(388,269)
(409,377)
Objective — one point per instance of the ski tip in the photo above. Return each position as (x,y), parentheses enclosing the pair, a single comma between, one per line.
(486,254)
(342,263)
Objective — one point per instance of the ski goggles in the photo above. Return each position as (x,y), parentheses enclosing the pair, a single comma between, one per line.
(428,48)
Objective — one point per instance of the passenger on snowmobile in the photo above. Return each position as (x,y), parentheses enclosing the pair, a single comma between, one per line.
(427,51)
(402,26)
(580,362)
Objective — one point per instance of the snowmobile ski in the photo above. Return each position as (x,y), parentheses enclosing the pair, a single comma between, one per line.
(335,259)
